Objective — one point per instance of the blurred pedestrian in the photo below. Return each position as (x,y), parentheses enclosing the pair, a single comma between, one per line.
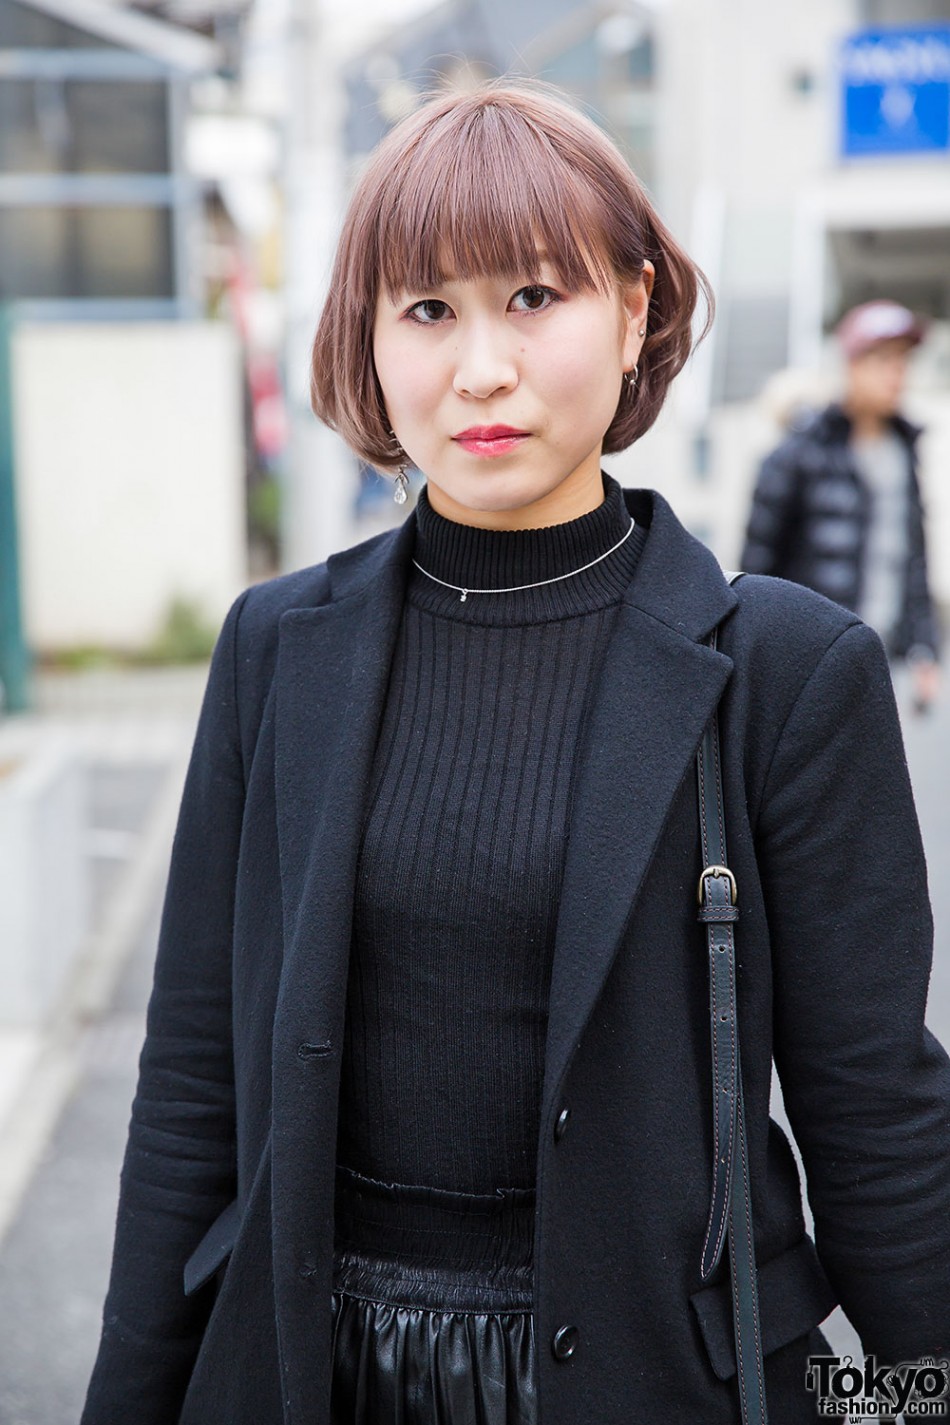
(440,1117)
(837,504)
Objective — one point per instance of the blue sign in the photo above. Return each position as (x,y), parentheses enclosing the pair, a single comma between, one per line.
(895,91)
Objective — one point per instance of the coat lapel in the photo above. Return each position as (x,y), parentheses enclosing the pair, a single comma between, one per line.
(332,670)
(659,684)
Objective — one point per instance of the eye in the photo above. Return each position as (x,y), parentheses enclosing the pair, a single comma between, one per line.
(433,310)
(537,297)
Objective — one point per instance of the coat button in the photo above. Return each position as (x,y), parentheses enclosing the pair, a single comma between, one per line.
(565,1342)
(561,1124)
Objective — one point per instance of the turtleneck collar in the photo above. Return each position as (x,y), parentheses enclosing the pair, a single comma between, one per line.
(476,558)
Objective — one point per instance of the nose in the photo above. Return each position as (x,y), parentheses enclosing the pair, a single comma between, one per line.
(485,361)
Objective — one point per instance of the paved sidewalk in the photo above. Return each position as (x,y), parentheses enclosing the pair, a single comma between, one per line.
(133,730)
(68,1088)
(55,1259)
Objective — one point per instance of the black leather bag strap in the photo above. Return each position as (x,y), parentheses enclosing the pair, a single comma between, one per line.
(730,1211)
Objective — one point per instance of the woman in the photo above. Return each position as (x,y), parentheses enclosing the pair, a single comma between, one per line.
(423,1129)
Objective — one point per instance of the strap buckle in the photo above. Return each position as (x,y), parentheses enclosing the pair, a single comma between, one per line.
(718,871)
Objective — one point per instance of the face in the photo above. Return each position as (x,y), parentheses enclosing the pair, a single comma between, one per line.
(876,379)
(500,391)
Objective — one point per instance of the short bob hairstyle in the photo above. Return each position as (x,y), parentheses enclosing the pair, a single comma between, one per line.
(481,181)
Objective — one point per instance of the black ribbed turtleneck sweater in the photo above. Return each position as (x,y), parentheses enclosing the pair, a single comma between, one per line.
(463,843)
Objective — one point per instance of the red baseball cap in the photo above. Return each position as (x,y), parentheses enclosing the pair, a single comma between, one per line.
(873,322)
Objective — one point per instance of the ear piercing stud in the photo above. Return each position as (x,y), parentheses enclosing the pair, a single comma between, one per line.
(631,376)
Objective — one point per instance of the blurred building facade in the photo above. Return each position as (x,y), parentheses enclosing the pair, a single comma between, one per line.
(97,211)
(604,55)
(127,424)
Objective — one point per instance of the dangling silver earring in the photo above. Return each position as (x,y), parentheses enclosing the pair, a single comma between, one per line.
(401,492)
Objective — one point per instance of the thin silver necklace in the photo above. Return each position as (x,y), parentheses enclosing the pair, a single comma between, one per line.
(515,588)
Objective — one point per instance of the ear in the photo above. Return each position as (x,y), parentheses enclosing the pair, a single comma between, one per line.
(636,302)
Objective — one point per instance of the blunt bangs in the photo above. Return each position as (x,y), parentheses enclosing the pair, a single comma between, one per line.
(486,183)
(504,196)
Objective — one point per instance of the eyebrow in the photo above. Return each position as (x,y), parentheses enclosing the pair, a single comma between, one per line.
(542,256)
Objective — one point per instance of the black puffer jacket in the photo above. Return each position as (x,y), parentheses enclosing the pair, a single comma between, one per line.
(810,516)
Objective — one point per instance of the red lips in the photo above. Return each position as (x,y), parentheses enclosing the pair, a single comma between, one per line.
(491,442)
(488,433)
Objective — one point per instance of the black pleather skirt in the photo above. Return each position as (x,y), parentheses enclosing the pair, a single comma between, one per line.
(432,1306)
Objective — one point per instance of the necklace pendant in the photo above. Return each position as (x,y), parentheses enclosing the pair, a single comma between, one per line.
(464,596)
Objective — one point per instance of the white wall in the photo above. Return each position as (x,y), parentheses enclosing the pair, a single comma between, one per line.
(731,115)
(44,880)
(129,476)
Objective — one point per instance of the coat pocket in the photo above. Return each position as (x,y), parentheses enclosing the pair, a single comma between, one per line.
(213,1249)
(794,1296)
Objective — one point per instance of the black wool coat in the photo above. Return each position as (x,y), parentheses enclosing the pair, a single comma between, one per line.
(219,1304)
(811,510)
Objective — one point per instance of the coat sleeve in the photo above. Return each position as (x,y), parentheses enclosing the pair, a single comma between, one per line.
(179,1167)
(865,1083)
(774,515)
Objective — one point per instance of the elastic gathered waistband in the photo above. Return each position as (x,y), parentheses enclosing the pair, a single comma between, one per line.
(395,1283)
(428,1229)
